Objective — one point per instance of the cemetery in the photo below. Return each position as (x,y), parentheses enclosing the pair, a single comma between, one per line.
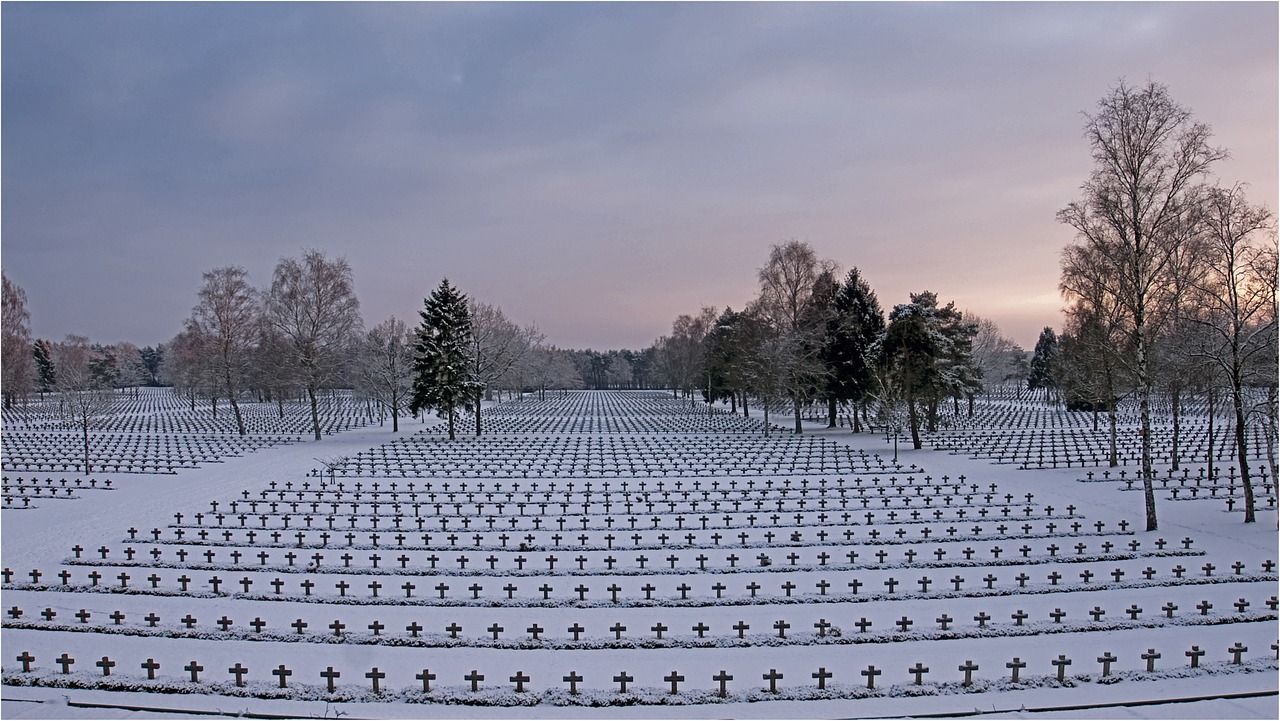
(606,549)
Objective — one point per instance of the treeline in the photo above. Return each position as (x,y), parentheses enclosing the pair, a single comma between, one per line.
(815,335)
(299,337)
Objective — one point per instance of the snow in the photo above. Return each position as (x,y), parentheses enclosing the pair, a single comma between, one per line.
(41,538)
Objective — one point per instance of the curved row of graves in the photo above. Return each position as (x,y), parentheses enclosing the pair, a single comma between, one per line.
(636,590)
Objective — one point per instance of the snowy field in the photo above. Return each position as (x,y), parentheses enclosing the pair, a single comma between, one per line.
(629,555)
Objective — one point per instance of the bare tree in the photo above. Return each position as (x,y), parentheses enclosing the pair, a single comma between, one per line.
(226,318)
(85,395)
(787,284)
(1148,155)
(313,308)
(384,367)
(498,345)
(997,357)
(1235,306)
(17,363)
(185,365)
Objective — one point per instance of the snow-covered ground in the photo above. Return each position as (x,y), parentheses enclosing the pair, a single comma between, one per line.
(1005,576)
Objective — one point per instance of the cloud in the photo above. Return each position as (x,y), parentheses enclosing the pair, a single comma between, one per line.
(598,168)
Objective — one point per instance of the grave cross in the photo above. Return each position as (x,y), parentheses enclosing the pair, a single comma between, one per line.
(150,665)
(65,661)
(194,669)
(822,674)
(919,672)
(329,675)
(1106,659)
(26,659)
(772,677)
(375,676)
(1150,657)
(1235,652)
(722,678)
(870,672)
(239,672)
(1194,654)
(968,667)
(282,673)
(426,677)
(674,678)
(1061,662)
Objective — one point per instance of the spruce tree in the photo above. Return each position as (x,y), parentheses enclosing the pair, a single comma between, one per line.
(1043,362)
(852,329)
(444,377)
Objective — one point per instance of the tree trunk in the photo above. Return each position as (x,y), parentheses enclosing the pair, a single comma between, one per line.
(85,426)
(1271,431)
(1175,396)
(766,418)
(395,417)
(451,415)
(1209,454)
(315,411)
(746,408)
(479,428)
(914,416)
(932,415)
(971,405)
(733,403)
(1242,448)
(795,404)
(832,410)
(1113,456)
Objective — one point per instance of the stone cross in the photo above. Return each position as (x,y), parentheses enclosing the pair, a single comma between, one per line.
(968,667)
(150,665)
(1235,651)
(1150,657)
(26,659)
(475,678)
(822,674)
(772,677)
(919,671)
(194,669)
(239,672)
(573,679)
(329,675)
(1015,666)
(871,672)
(282,673)
(622,679)
(722,678)
(1106,659)
(426,677)
(1061,662)
(674,678)
(375,676)
(1194,654)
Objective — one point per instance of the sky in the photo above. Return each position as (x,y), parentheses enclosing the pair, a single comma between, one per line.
(596,169)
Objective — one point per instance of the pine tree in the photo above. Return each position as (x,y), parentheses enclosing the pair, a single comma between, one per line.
(46,371)
(1043,362)
(853,327)
(443,369)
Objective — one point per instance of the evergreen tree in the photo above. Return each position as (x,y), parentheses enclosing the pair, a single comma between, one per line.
(444,376)
(46,372)
(927,350)
(853,327)
(1043,362)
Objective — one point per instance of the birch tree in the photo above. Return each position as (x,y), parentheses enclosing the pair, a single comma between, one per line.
(1236,308)
(385,367)
(312,306)
(1148,156)
(226,319)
